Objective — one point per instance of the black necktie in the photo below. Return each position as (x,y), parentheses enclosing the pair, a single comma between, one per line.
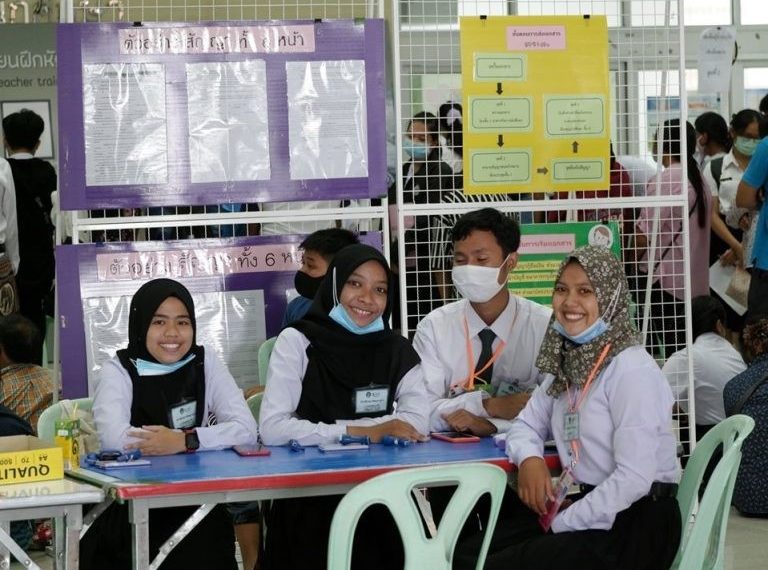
(486,338)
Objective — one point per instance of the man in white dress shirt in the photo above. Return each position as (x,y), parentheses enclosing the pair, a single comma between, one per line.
(478,354)
(715,363)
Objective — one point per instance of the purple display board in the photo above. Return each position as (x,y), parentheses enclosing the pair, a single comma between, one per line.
(89,272)
(171,47)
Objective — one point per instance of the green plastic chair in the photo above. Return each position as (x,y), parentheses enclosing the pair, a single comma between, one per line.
(46,423)
(265,351)
(254,404)
(703,544)
(394,491)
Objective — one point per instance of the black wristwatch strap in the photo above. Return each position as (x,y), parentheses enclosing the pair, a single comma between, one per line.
(191,441)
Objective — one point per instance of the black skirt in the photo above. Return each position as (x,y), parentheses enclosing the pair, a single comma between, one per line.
(643,537)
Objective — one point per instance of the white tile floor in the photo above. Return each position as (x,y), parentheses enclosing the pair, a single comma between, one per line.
(746,546)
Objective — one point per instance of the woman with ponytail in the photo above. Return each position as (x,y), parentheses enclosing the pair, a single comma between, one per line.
(667,267)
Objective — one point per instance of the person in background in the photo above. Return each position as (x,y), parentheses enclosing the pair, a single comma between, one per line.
(35,181)
(451,131)
(763,106)
(340,370)
(668,290)
(751,195)
(25,387)
(747,394)
(9,241)
(715,362)
(609,409)
(319,249)
(723,175)
(479,353)
(159,395)
(712,139)
(426,180)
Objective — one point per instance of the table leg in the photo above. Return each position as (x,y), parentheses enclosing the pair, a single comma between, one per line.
(73,522)
(138,515)
(59,543)
(5,553)
(8,547)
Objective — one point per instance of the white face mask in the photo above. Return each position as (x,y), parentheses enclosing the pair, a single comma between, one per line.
(476,283)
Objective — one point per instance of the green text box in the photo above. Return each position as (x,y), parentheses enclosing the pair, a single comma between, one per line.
(573,116)
(503,167)
(501,114)
(500,67)
(568,170)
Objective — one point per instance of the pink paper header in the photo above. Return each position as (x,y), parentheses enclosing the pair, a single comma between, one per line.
(532,38)
(547,243)
(199,262)
(217,39)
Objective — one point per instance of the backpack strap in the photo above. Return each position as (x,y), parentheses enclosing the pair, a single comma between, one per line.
(747,395)
(717,170)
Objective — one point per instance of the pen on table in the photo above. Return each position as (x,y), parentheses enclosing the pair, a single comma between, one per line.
(346,439)
(395,441)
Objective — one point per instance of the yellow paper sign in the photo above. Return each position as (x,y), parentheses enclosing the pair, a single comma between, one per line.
(536,98)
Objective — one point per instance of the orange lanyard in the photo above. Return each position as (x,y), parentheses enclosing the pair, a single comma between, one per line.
(573,406)
(469,381)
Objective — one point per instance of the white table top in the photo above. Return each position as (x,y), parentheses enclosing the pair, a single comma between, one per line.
(47,493)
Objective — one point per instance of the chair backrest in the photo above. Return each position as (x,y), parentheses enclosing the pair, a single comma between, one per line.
(394,490)
(46,423)
(265,351)
(702,545)
(254,404)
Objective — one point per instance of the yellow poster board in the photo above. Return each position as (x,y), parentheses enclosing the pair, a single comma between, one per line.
(536,103)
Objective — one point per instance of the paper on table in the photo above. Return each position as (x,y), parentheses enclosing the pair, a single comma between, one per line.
(719,279)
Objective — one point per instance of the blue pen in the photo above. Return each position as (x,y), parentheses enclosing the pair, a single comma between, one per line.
(395,441)
(295,446)
(346,439)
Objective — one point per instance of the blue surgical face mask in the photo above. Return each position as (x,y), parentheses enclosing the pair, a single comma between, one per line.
(147,368)
(587,335)
(340,315)
(745,145)
(416,150)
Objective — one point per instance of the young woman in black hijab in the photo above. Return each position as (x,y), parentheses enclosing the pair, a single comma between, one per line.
(158,395)
(340,371)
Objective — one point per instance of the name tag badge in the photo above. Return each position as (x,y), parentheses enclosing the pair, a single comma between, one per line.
(183,415)
(508,387)
(571,426)
(371,399)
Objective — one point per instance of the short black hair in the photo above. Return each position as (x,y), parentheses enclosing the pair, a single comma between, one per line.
(763,106)
(715,127)
(431,123)
(741,120)
(329,241)
(23,129)
(706,311)
(20,339)
(504,228)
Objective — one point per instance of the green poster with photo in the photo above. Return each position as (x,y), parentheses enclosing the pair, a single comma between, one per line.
(542,248)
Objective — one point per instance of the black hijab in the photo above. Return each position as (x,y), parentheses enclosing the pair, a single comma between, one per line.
(153,396)
(341,361)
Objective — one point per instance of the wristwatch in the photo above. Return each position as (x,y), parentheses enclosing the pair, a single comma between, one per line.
(191,441)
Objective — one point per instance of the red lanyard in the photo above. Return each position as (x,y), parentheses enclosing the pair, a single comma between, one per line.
(573,406)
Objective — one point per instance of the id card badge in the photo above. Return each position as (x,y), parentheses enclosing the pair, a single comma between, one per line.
(183,414)
(571,426)
(560,491)
(371,399)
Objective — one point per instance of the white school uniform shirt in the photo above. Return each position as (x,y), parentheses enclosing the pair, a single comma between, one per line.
(278,421)
(625,432)
(113,396)
(441,344)
(730,176)
(9,232)
(715,363)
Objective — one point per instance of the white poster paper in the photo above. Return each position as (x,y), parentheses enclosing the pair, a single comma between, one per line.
(125,126)
(228,125)
(716,47)
(327,126)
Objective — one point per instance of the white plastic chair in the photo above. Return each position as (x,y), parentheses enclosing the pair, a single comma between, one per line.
(394,490)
